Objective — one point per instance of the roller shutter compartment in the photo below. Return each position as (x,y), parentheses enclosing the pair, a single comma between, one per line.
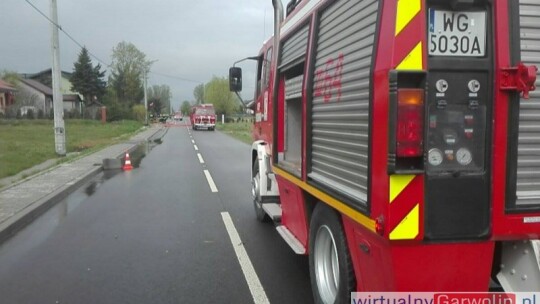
(341,98)
(528,163)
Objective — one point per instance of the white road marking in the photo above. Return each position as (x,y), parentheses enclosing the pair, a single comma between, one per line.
(255,286)
(196,148)
(192,141)
(210,181)
(201,160)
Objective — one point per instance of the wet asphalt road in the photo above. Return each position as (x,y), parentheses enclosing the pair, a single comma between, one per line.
(155,235)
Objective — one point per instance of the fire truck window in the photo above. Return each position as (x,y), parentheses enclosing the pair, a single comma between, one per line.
(259,74)
(267,64)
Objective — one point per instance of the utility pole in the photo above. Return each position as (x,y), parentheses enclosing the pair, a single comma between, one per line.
(145,98)
(147,65)
(58,102)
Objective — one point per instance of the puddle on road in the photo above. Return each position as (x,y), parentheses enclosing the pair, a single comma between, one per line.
(42,227)
(137,155)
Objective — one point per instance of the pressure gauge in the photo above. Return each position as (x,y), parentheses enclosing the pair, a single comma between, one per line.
(435,157)
(464,156)
(474,86)
(441,85)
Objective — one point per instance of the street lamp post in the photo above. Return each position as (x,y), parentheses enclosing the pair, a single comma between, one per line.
(145,91)
(145,99)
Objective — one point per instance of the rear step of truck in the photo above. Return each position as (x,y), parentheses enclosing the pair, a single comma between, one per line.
(295,244)
(274,212)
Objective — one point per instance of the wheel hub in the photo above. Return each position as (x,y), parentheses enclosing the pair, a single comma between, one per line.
(326,265)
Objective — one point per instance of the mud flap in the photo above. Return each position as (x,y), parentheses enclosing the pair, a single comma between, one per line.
(520,267)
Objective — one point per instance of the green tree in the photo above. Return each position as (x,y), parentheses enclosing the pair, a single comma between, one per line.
(115,109)
(217,92)
(87,79)
(129,65)
(10,77)
(185,108)
(155,105)
(198,93)
(163,94)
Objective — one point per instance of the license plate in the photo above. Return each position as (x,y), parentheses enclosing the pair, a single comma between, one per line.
(453,33)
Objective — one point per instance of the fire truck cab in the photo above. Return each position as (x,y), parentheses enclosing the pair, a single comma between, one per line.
(397,143)
(203,116)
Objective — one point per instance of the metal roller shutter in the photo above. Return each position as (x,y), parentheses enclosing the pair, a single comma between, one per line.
(528,169)
(294,49)
(293,87)
(341,97)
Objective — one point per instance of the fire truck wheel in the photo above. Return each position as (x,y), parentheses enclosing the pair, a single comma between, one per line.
(330,266)
(255,192)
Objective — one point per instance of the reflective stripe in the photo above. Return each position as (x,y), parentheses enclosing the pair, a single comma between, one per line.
(413,61)
(397,184)
(406,11)
(341,207)
(407,229)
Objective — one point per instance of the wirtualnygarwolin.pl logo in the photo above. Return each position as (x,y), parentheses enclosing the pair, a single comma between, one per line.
(445,298)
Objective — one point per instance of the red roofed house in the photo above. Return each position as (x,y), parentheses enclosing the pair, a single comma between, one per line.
(6,96)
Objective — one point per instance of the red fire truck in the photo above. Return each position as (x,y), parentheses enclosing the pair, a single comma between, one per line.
(203,116)
(398,143)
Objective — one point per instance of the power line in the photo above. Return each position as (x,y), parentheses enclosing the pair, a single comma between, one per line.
(66,33)
(97,58)
(176,77)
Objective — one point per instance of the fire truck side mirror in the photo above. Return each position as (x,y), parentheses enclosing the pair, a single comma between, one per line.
(235,79)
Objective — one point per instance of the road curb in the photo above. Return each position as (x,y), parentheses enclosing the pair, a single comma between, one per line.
(25,217)
(30,213)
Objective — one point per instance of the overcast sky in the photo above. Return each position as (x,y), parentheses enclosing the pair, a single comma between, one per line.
(190,39)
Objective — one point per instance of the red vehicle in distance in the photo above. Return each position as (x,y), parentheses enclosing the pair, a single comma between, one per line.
(203,116)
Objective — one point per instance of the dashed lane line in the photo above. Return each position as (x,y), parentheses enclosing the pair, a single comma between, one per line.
(210,181)
(201,160)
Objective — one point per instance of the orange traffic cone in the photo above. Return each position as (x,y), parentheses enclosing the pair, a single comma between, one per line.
(127,163)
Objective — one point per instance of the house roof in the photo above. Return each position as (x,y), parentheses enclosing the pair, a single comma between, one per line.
(71,97)
(47,72)
(95,103)
(6,87)
(38,86)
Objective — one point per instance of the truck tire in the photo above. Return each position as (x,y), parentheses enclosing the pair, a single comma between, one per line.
(330,266)
(255,192)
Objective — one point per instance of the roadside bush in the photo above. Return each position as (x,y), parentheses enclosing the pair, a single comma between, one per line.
(118,111)
(74,114)
(40,114)
(138,113)
(51,114)
(30,114)
(11,112)
(19,114)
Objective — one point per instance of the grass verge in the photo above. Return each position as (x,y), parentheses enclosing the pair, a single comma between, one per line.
(26,143)
(240,130)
